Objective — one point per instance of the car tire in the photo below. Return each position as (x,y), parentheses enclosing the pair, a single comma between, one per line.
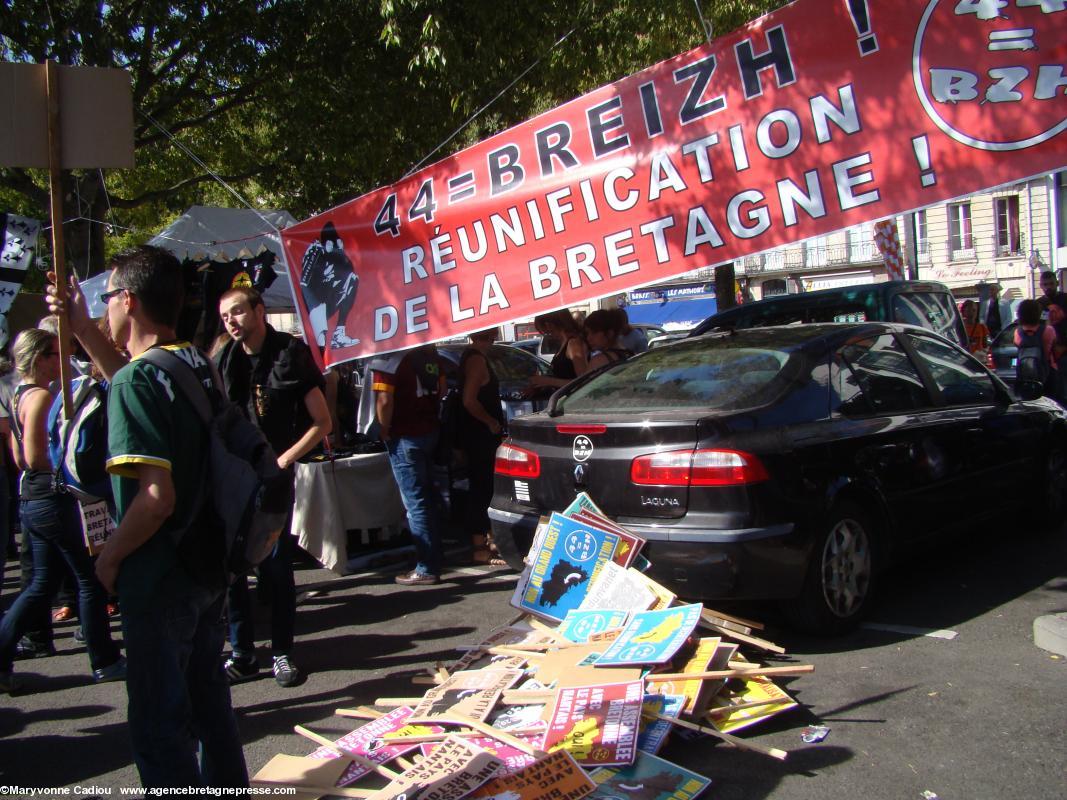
(840,579)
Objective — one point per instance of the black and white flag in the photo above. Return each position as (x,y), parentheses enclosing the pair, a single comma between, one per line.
(18,238)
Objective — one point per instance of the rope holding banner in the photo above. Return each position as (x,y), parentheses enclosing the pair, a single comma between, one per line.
(705,24)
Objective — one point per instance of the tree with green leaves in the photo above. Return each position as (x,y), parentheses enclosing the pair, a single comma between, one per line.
(304,104)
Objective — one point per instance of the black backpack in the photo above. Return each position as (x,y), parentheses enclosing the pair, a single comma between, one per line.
(1032,368)
(244,493)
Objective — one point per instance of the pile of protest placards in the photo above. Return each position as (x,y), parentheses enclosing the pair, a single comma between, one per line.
(575,697)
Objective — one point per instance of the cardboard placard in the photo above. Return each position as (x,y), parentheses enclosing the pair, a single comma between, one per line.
(618,588)
(568,561)
(283,770)
(512,757)
(597,724)
(555,777)
(455,769)
(472,693)
(573,666)
(658,778)
(653,732)
(370,742)
(696,691)
(652,637)
(757,689)
(580,625)
(97,525)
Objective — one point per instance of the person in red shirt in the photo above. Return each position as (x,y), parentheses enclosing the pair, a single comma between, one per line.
(407,393)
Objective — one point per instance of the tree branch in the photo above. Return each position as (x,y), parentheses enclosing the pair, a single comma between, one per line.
(162,194)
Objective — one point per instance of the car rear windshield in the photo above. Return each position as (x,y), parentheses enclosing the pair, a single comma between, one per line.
(709,373)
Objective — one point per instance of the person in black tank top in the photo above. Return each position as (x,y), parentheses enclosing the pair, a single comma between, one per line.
(602,332)
(570,361)
(478,433)
(51,520)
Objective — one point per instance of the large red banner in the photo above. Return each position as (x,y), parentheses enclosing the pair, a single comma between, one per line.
(821,115)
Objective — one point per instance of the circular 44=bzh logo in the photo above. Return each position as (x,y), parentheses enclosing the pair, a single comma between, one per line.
(582,448)
(990,73)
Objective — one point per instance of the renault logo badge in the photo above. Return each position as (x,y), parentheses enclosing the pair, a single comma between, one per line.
(582,448)
(579,475)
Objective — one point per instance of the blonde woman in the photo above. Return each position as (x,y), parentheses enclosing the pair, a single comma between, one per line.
(50,519)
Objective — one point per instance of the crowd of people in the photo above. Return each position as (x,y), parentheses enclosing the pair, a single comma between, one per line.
(176,611)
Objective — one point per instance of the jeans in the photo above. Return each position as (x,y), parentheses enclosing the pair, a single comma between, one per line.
(179,697)
(39,627)
(5,524)
(55,535)
(276,578)
(411,458)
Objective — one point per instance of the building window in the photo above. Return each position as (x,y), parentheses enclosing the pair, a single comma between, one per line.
(961,242)
(922,238)
(1007,213)
(772,288)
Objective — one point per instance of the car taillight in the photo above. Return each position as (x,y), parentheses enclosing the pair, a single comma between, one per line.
(517,462)
(697,468)
(989,362)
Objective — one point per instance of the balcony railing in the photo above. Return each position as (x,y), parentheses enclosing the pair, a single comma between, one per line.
(797,258)
(979,248)
(794,258)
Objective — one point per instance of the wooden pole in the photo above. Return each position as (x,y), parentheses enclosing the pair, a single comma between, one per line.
(798,669)
(55,190)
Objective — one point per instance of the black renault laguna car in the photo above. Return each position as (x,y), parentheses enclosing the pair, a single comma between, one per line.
(792,462)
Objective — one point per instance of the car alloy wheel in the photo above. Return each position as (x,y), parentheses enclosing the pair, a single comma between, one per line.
(846,567)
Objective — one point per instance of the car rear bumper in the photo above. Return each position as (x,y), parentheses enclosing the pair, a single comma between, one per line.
(747,563)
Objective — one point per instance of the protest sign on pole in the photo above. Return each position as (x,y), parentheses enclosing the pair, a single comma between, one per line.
(821,115)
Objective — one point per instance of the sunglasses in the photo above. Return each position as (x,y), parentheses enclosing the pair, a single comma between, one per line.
(105,297)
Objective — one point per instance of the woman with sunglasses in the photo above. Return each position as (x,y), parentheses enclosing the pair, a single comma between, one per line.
(51,519)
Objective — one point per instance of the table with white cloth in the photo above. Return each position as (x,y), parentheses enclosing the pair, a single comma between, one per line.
(334,497)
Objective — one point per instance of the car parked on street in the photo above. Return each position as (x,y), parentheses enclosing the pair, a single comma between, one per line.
(1003,354)
(791,463)
(927,304)
(513,366)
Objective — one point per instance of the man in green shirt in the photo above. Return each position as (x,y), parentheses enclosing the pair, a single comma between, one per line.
(172,596)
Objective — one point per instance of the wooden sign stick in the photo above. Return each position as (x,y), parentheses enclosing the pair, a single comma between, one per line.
(499,735)
(524,697)
(359,713)
(338,791)
(736,636)
(719,711)
(59,261)
(541,627)
(798,669)
(718,617)
(513,651)
(773,752)
(355,757)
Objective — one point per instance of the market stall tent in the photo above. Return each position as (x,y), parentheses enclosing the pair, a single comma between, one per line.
(221,233)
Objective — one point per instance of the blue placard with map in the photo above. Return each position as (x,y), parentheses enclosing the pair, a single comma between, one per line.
(652,637)
(578,626)
(569,557)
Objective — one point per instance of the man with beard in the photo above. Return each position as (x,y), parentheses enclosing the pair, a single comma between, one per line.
(272,377)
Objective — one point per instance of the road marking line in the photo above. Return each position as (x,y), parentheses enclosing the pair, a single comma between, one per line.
(909,630)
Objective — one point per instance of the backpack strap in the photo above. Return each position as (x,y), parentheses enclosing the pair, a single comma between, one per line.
(186,379)
(197,394)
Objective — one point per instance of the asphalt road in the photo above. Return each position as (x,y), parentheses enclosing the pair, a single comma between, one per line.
(981,715)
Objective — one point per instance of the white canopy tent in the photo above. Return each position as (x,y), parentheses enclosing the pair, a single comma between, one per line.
(206,231)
